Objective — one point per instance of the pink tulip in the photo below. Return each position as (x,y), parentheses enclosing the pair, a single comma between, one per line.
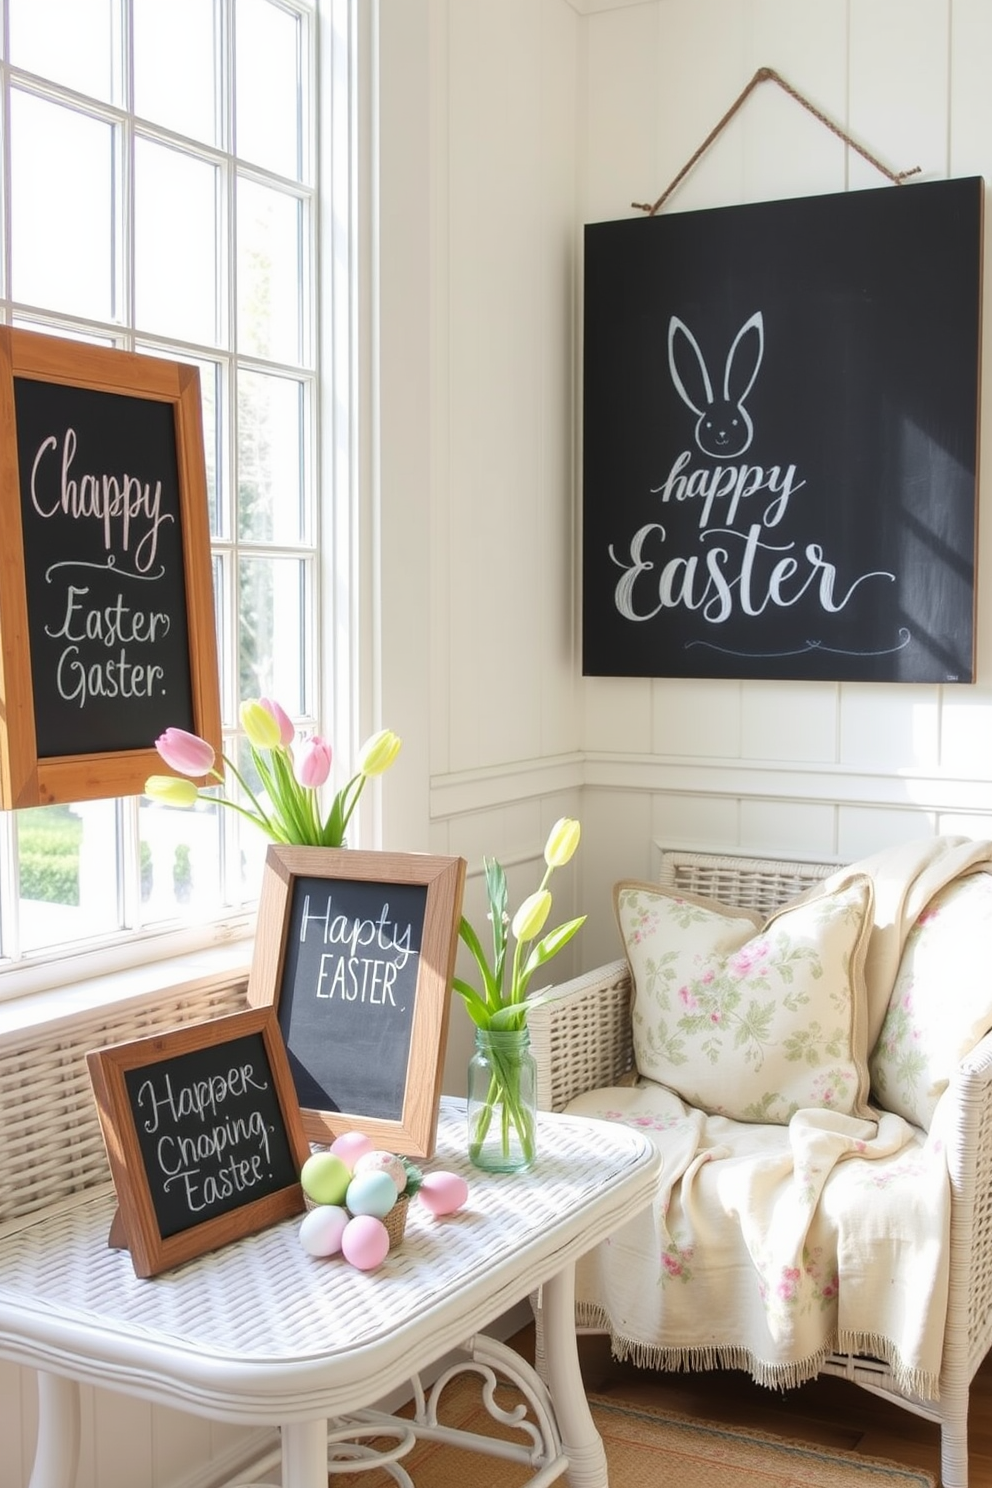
(313,763)
(286,730)
(186,753)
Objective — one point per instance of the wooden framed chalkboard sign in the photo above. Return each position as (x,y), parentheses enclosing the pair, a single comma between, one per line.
(204,1136)
(356,950)
(106,600)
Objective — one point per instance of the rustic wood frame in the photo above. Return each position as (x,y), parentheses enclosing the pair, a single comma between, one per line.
(136,1226)
(414,1133)
(26,779)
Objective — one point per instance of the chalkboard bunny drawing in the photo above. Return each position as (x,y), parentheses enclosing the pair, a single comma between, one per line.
(723,426)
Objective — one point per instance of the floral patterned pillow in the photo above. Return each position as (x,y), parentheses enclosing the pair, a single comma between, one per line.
(747,1020)
(941,1002)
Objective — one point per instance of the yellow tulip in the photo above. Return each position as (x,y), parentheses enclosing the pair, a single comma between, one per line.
(530,918)
(562,842)
(171,790)
(259,724)
(378,753)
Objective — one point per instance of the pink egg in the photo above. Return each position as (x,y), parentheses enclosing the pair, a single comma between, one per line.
(350,1146)
(365,1242)
(322,1228)
(378,1161)
(443,1193)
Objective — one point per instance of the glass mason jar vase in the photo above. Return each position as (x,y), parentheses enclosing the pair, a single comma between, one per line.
(502,1102)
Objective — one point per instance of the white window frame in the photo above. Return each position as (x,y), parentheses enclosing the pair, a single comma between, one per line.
(90,975)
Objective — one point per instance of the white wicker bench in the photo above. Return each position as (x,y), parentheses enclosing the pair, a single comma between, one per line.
(581,1037)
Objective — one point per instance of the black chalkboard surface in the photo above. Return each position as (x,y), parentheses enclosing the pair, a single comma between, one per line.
(349,992)
(356,950)
(103,560)
(106,595)
(780,438)
(203,1134)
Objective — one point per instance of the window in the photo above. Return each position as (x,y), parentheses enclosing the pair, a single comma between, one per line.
(160,191)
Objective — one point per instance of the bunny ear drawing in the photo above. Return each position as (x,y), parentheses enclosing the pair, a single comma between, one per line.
(744,359)
(685,362)
(723,425)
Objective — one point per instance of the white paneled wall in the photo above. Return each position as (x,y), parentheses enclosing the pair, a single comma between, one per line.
(503,126)
(818,770)
(563,112)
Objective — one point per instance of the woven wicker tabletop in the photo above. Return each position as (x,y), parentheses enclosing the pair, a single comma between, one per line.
(259,1330)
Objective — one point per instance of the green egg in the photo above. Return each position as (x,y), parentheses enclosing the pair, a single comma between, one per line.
(325,1178)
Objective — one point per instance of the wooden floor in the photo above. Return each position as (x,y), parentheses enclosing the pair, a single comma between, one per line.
(829,1411)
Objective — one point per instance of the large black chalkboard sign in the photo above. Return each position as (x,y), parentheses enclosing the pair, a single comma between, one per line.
(204,1136)
(357,952)
(780,438)
(106,602)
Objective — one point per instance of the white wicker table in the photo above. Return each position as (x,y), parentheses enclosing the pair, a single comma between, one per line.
(260,1333)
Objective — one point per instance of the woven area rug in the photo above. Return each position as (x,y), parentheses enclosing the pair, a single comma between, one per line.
(647,1449)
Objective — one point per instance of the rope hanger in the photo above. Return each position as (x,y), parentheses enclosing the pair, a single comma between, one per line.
(768,74)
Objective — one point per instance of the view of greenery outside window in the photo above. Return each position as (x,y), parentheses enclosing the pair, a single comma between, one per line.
(160,196)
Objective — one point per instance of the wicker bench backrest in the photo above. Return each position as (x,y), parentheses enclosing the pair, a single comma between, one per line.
(748,883)
(51,1146)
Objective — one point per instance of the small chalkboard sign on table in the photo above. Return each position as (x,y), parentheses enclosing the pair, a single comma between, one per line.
(357,952)
(204,1136)
(106,596)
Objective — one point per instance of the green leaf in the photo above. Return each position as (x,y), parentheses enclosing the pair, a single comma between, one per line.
(496,893)
(468,935)
(547,947)
(474,1004)
(285,794)
(332,834)
(509,1019)
(293,801)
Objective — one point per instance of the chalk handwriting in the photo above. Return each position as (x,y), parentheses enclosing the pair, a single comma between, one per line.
(744,562)
(116,625)
(355,934)
(129,511)
(732,483)
(745,575)
(229,1153)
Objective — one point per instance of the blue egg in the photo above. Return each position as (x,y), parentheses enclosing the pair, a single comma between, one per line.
(371,1193)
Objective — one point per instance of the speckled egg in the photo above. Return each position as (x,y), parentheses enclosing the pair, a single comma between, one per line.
(378,1161)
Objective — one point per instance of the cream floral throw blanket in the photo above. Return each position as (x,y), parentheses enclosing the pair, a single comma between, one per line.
(772,1243)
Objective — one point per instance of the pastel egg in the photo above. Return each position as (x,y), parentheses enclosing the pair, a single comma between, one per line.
(443,1193)
(325,1178)
(371,1193)
(321,1229)
(350,1146)
(365,1242)
(378,1161)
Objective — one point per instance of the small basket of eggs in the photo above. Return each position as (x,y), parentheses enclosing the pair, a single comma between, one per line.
(358,1197)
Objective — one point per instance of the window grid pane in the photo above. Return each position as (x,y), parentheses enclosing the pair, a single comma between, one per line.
(63,243)
(136,242)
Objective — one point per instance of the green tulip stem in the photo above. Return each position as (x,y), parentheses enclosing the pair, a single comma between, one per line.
(349,806)
(503,1096)
(259,817)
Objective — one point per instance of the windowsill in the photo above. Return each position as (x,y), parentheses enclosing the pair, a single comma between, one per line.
(227,961)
